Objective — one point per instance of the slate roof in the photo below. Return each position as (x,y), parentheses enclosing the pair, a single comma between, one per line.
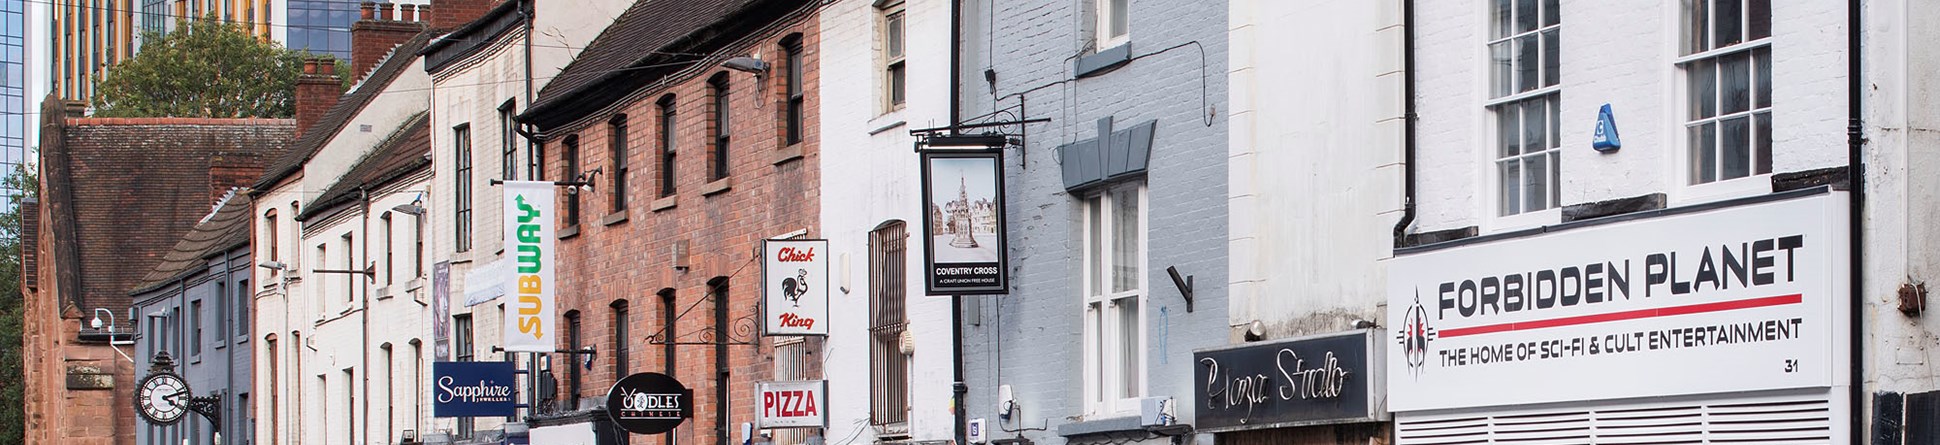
(224,230)
(644,44)
(472,37)
(405,151)
(312,140)
(119,193)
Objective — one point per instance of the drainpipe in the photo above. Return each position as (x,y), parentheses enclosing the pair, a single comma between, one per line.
(228,309)
(364,241)
(957,387)
(1407,124)
(1856,178)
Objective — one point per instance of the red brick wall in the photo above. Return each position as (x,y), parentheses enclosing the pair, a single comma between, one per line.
(770,191)
(373,37)
(450,14)
(317,90)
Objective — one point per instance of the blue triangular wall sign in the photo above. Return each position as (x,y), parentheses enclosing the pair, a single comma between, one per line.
(1605,138)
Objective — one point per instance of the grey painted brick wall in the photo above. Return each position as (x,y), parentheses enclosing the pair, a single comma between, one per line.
(1032,339)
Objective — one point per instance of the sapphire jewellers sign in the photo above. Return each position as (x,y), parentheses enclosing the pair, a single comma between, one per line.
(795,287)
(963,225)
(649,403)
(1306,381)
(471,389)
(1744,297)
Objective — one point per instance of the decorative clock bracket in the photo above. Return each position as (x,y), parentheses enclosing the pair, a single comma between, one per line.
(210,406)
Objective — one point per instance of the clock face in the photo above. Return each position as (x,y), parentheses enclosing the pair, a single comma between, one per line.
(162,398)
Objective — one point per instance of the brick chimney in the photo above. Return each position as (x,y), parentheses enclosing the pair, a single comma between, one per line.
(316,91)
(447,15)
(375,33)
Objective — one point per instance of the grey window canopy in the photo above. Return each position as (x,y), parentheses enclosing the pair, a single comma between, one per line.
(1113,155)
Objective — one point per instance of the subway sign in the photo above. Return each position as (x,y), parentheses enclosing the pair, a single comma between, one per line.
(529,226)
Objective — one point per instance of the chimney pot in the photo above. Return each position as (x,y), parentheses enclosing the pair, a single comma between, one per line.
(384,11)
(309,65)
(368,10)
(408,12)
(424,13)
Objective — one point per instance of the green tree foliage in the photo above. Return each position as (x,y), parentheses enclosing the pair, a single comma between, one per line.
(13,414)
(206,68)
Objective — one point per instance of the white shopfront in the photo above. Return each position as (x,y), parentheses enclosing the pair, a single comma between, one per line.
(1721,324)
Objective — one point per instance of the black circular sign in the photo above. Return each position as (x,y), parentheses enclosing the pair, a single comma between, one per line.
(649,403)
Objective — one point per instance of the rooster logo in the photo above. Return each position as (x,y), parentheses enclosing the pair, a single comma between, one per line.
(794,288)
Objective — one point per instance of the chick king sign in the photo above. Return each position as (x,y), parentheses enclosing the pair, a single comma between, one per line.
(795,287)
(529,227)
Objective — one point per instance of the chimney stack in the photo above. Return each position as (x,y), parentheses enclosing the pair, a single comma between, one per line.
(316,91)
(373,37)
(446,15)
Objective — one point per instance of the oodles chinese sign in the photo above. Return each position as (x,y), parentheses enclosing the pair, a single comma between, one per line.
(649,403)
(963,224)
(1741,298)
(1303,381)
(795,287)
(529,224)
(791,404)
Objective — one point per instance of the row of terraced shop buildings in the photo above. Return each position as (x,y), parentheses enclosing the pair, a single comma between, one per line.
(1234,222)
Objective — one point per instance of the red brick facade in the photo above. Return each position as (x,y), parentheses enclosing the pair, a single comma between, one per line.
(771,189)
(116,193)
(446,15)
(317,90)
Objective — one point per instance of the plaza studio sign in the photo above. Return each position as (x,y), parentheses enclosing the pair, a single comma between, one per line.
(1311,380)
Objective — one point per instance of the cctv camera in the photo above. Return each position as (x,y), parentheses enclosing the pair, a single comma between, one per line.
(746,64)
(277,265)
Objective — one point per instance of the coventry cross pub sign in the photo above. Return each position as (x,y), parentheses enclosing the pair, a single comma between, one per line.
(963,224)
(1314,380)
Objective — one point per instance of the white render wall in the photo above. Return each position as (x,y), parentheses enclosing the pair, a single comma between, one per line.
(869,179)
(1314,174)
(1622,54)
(470,92)
(306,410)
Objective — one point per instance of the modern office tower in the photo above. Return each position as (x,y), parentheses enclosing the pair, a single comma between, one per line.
(89,36)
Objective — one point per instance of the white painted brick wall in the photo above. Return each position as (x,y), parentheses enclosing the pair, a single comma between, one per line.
(1622,54)
(1314,174)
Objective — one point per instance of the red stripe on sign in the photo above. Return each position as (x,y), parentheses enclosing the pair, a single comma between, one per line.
(1627,315)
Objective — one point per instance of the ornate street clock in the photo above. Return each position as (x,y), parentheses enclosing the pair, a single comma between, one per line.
(162,398)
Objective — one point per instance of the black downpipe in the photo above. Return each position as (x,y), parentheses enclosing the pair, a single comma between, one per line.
(1407,124)
(957,388)
(1856,178)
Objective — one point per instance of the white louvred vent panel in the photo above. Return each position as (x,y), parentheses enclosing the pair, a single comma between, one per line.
(1801,419)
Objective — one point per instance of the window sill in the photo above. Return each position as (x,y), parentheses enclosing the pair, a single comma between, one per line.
(789,153)
(569,231)
(1103,61)
(664,203)
(383,293)
(1101,426)
(414,284)
(717,187)
(613,218)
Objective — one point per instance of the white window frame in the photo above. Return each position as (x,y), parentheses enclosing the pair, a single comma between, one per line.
(1097,382)
(1688,191)
(1102,13)
(884,9)
(1488,155)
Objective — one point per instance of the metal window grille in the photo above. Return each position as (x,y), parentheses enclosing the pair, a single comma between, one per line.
(889,367)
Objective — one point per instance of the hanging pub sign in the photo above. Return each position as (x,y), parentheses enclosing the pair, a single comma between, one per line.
(797,404)
(1306,381)
(529,226)
(795,287)
(649,403)
(1739,298)
(472,389)
(963,224)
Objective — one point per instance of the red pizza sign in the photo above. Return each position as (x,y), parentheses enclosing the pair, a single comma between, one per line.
(797,404)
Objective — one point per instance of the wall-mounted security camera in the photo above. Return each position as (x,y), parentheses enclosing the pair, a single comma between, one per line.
(746,64)
(273,265)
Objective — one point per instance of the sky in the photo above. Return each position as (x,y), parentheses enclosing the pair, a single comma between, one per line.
(980,174)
